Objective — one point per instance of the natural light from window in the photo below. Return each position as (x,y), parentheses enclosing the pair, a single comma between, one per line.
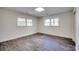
(47,22)
(51,22)
(29,22)
(24,22)
(21,22)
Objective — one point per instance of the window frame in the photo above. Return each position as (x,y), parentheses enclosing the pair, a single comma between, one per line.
(25,22)
(29,22)
(18,21)
(45,21)
(54,22)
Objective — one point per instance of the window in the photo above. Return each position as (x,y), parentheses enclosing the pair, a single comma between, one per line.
(56,22)
(47,22)
(29,22)
(24,22)
(21,22)
(51,22)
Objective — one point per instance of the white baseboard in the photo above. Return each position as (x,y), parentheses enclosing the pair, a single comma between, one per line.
(12,38)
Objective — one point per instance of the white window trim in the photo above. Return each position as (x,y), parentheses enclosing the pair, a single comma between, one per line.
(50,23)
(29,22)
(18,21)
(26,22)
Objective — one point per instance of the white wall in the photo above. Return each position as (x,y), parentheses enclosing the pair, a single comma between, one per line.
(74,26)
(0,25)
(77,28)
(1,30)
(65,28)
(10,30)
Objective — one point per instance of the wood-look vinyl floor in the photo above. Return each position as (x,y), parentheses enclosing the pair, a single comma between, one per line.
(38,42)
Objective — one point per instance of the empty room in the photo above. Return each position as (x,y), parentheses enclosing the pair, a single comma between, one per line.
(39,28)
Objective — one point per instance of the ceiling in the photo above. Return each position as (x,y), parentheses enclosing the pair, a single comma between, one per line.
(48,10)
